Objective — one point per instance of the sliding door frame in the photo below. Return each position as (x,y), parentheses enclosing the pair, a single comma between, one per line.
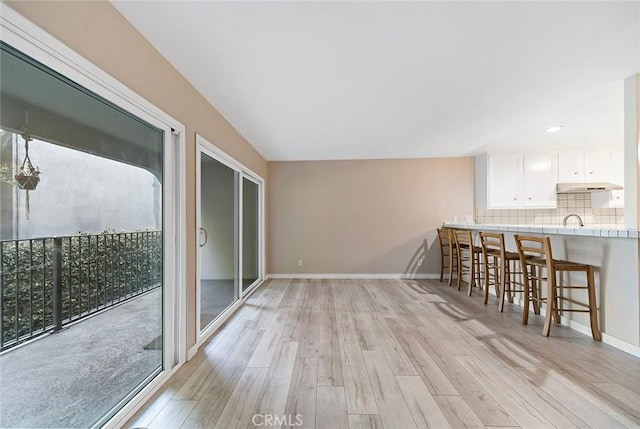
(205,146)
(30,39)
(261,271)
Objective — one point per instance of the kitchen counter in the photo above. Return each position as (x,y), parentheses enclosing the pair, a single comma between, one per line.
(588,231)
(614,252)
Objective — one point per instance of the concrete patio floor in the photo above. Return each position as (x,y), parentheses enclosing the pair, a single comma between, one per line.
(72,378)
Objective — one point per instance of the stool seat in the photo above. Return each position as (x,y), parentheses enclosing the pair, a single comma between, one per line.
(511,256)
(569,265)
(558,264)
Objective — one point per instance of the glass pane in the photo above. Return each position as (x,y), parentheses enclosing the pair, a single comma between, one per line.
(218,238)
(81,251)
(250,233)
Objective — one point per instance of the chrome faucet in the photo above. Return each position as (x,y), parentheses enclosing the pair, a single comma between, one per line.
(564,221)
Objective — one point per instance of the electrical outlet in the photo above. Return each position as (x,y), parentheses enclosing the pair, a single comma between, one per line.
(299,262)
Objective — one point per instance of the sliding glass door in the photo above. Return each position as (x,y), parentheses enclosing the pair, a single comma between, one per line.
(82,252)
(229,233)
(218,238)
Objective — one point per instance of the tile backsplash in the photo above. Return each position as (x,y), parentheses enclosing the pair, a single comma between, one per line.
(567,203)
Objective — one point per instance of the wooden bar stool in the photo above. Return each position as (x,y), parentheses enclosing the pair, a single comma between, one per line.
(469,262)
(501,268)
(448,253)
(538,265)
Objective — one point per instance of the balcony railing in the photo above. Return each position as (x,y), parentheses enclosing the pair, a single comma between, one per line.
(46,283)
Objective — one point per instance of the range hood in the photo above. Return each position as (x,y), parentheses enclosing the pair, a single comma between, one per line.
(579,188)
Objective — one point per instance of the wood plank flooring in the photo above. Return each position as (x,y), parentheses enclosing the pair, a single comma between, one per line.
(393,354)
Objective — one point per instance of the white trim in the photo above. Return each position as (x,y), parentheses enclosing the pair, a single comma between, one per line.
(263,233)
(259,181)
(26,37)
(586,330)
(355,276)
(619,344)
(225,158)
(180,245)
(606,338)
(197,237)
(238,225)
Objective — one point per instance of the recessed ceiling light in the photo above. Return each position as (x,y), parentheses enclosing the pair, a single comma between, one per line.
(555,129)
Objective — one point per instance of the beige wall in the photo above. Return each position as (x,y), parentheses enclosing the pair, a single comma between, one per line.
(363,217)
(97,31)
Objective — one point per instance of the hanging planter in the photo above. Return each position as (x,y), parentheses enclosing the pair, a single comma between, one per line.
(28,176)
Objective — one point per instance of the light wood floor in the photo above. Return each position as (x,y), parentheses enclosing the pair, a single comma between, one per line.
(394,354)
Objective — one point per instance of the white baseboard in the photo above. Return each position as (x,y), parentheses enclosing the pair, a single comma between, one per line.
(353,276)
(606,338)
(621,345)
(586,330)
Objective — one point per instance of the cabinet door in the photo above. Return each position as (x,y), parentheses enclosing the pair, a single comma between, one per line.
(610,199)
(505,181)
(597,166)
(571,167)
(539,183)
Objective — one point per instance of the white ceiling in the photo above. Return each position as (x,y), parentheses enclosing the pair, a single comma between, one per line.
(345,80)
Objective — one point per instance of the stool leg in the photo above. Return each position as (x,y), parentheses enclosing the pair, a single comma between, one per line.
(528,287)
(501,272)
(557,300)
(551,303)
(535,286)
(593,309)
(451,253)
(505,281)
(459,282)
(472,272)
(486,278)
(508,280)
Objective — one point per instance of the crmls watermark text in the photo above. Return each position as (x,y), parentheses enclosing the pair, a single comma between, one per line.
(286,420)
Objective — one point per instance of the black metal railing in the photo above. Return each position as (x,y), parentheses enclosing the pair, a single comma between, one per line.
(46,283)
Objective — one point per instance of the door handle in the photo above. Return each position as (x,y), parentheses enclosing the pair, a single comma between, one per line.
(203,233)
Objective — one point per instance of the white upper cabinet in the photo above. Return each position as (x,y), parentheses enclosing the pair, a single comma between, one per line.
(505,181)
(592,166)
(517,181)
(597,166)
(571,167)
(610,199)
(539,180)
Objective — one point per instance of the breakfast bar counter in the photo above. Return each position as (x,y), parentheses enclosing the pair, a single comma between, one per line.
(588,231)
(614,254)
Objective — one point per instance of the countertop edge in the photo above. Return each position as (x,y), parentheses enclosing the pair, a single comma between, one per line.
(549,229)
